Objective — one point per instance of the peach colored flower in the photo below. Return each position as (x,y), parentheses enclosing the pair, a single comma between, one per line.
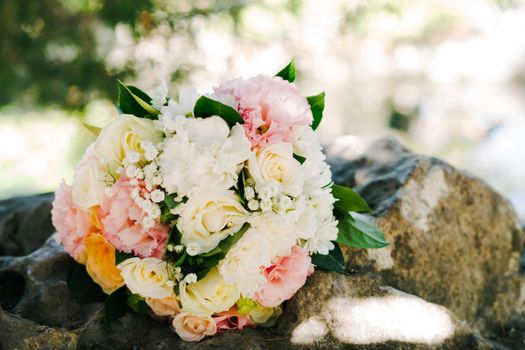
(122,225)
(193,328)
(101,263)
(231,319)
(270,107)
(71,223)
(168,306)
(285,276)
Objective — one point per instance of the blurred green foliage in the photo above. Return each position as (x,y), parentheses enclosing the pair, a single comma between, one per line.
(52,52)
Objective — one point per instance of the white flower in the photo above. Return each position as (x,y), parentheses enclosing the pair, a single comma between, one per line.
(306,144)
(253,204)
(249,192)
(321,242)
(89,185)
(203,155)
(190,278)
(124,134)
(242,264)
(209,295)
(146,277)
(209,217)
(157,196)
(193,248)
(160,94)
(185,105)
(275,165)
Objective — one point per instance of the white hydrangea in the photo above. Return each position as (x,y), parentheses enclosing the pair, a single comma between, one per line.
(203,155)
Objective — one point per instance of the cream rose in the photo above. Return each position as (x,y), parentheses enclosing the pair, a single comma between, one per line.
(193,328)
(168,306)
(89,181)
(126,133)
(208,218)
(209,295)
(275,165)
(146,277)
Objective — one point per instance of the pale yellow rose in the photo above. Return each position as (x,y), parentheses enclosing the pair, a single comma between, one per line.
(209,217)
(193,328)
(124,134)
(168,306)
(147,277)
(209,295)
(100,263)
(275,165)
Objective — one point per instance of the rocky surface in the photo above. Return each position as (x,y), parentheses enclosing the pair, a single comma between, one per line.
(453,240)
(452,268)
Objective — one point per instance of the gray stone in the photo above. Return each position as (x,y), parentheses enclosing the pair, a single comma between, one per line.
(454,241)
(25,223)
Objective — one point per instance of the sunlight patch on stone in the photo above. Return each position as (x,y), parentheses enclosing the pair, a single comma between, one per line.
(396,317)
(309,331)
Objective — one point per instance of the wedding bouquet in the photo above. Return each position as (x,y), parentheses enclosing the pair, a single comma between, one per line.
(207,211)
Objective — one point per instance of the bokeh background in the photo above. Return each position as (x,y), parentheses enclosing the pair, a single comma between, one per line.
(446,77)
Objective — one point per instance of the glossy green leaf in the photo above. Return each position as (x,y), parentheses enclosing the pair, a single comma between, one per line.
(132,100)
(82,288)
(333,261)
(116,305)
(288,72)
(348,199)
(299,158)
(359,231)
(317,107)
(206,107)
(137,303)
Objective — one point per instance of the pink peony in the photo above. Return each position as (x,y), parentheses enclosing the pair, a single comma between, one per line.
(71,223)
(285,276)
(122,225)
(231,319)
(270,107)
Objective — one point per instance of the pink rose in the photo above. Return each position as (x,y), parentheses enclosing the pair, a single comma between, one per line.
(122,224)
(270,107)
(285,276)
(231,319)
(71,223)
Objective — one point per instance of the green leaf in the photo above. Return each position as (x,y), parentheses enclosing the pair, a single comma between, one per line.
(299,158)
(82,288)
(333,261)
(241,183)
(95,130)
(137,303)
(116,305)
(348,199)
(288,72)
(206,107)
(132,100)
(317,107)
(212,252)
(170,201)
(359,231)
(121,256)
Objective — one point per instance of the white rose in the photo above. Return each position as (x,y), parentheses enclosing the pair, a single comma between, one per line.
(146,277)
(208,296)
(124,134)
(275,165)
(89,181)
(193,328)
(209,217)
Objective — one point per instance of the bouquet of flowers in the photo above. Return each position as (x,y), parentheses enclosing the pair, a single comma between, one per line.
(207,211)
